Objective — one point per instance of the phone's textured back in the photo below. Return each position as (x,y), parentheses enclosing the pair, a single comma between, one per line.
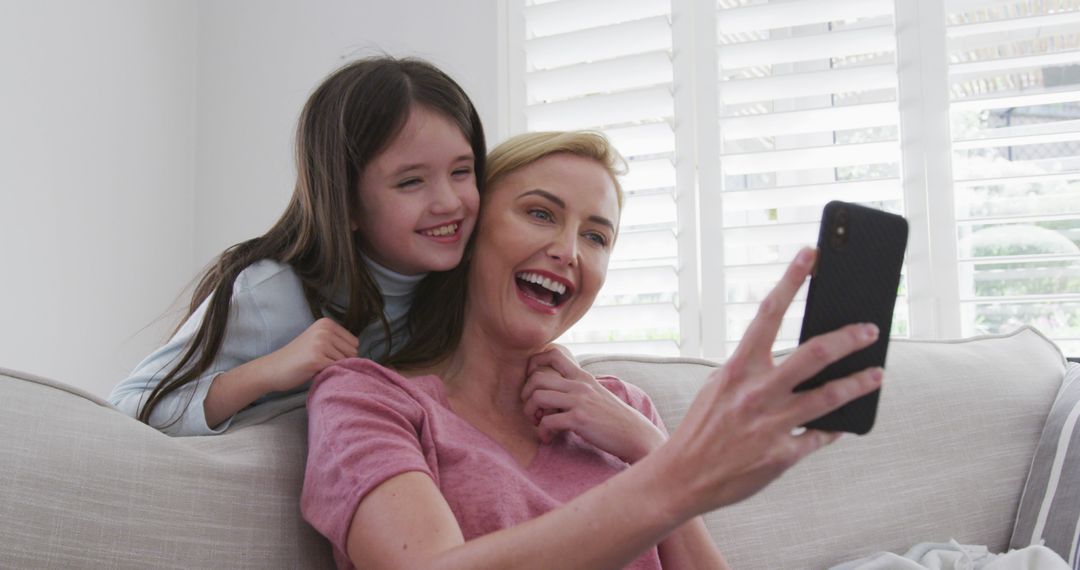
(855,281)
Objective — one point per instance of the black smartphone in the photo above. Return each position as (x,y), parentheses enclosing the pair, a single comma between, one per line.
(855,280)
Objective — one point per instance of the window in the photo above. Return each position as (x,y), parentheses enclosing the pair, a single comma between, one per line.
(1014,89)
(740,119)
(607,64)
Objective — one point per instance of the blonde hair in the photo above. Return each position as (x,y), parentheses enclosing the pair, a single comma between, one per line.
(522,150)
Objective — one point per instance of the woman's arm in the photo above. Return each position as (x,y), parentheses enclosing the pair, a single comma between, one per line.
(690,547)
(736,438)
(560,396)
(406,523)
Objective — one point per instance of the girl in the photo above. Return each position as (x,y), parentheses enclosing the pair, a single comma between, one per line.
(388,155)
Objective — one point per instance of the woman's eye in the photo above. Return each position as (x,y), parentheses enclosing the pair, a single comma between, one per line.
(541,214)
(600,239)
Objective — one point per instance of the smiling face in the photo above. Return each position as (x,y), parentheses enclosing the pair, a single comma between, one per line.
(418,198)
(546,234)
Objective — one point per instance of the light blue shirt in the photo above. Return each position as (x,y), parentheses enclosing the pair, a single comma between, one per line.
(268,310)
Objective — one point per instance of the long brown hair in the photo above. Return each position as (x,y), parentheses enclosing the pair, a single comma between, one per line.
(437,334)
(351,117)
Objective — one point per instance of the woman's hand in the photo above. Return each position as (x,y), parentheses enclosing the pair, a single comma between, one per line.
(560,396)
(322,344)
(740,432)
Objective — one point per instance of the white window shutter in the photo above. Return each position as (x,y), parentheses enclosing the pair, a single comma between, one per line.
(1014,79)
(807,114)
(606,65)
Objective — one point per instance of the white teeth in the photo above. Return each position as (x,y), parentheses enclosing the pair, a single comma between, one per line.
(544,282)
(442,231)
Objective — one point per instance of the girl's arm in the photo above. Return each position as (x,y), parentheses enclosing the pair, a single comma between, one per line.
(322,344)
(267,313)
(181,412)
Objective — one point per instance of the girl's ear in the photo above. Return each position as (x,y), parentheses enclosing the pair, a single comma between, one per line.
(353,224)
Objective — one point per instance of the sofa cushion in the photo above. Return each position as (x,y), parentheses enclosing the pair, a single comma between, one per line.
(85,486)
(957,426)
(1050,507)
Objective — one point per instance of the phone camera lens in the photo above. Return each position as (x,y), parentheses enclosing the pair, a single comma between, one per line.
(840,233)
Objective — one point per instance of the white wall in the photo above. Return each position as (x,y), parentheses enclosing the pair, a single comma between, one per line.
(138,139)
(259,60)
(97,110)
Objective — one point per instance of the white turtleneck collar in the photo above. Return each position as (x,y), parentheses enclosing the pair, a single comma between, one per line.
(390,282)
(397,292)
(395,288)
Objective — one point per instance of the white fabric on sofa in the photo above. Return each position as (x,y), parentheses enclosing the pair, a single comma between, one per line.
(86,487)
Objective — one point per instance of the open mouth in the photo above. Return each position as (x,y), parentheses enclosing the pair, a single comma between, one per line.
(445,231)
(543,289)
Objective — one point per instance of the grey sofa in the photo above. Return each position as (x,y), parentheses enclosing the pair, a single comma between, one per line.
(84,486)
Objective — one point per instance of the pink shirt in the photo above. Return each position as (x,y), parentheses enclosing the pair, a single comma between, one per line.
(367,424)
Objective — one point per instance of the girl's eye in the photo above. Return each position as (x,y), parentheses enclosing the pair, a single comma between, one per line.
(541,214)
(599,238)
(462,172)
(408,183)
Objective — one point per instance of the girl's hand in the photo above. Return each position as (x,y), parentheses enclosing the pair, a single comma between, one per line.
(322,344)
(740,432)
(560,396)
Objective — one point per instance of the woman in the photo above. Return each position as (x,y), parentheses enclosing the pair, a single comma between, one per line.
(504,453)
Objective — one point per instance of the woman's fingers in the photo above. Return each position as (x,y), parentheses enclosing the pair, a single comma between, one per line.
(761,333)
(551,424)
(812,440)
(556,359)
(547,400)
(813,404)
(817,353)
(547,379)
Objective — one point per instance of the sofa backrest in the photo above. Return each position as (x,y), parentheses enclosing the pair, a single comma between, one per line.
(83,486)
(956,430)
